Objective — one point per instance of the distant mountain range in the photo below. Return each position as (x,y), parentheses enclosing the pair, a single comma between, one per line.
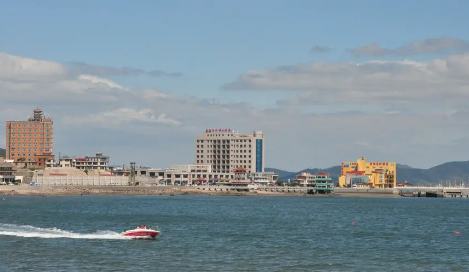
(3,152)
(449,171)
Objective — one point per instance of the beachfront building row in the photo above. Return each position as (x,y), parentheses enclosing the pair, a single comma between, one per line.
(193,174)
(363,174)
(321,182)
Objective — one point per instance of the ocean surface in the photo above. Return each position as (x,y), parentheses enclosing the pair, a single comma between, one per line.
(214,233)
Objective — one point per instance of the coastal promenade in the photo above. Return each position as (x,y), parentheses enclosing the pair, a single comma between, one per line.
(119,186)
(180,190)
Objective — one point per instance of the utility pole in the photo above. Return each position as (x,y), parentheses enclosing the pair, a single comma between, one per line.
(132,173)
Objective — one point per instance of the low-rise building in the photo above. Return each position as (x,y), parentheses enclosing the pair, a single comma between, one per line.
(66,162)
(263,178)
(305,179)
(91,162)
(7,172)
(320,183)
(324,183)
(191,174)
(45,160)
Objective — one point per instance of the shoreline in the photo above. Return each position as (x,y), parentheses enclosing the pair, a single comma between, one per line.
(24,190)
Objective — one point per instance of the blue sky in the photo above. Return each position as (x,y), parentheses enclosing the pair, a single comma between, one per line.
(194,37)
(213,42)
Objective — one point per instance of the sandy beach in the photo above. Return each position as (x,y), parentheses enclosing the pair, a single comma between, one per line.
(23,190)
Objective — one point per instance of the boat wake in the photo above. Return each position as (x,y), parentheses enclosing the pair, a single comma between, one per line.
(35,232)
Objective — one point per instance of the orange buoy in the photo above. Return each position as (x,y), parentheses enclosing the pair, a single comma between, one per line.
(353,223)
(457,232)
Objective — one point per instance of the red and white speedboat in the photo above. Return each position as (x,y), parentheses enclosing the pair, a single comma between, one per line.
(141,232)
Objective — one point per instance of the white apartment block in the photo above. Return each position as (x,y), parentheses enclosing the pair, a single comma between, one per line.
(225,150)
(89,162)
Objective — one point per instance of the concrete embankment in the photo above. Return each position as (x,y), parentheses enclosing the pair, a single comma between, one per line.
(176,190)
(127,190)
(355,192)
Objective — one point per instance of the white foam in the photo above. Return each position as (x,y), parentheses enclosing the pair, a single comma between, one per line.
(35,232)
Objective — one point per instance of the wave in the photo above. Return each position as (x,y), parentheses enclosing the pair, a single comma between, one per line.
(35,232)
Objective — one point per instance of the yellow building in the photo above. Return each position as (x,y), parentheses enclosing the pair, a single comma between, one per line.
(375,174)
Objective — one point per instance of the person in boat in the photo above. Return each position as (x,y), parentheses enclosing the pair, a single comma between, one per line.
(150,228)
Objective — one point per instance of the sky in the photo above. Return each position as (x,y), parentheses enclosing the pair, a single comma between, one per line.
(326,81)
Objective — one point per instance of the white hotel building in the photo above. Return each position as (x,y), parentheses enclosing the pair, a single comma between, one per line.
(225,150)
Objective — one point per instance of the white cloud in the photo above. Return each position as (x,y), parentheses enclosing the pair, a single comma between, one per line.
(25,69)
(157,128)
(165,120)
(121,116)
(102,71)
(428,46)
(102,82)
(441,80)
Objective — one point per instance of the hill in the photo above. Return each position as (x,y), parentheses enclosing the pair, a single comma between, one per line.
(3,152)
(450,171)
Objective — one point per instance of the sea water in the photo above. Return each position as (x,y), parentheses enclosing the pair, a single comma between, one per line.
(214,233)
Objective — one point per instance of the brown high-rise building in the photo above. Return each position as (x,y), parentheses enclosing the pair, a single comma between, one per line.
(30,141)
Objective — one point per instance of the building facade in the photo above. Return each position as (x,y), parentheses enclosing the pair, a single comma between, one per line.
(98,162)
(225,150)
(66,161)
(192,174)
(181,174)
(305,179)
(7,172)
(320,183)
(376,174)
(263,178)
(26,140)
(324,183)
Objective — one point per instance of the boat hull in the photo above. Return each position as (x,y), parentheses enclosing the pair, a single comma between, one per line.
(141,234)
